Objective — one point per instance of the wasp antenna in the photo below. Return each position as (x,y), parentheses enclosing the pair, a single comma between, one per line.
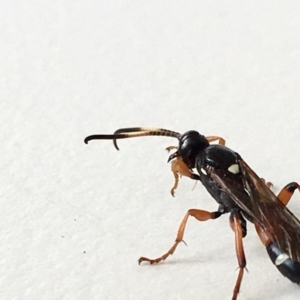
(152,129)
(105,137)
(148,131)
(125,133)
(118,136)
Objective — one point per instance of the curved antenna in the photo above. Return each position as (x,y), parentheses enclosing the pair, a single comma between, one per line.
(151,130)
(124,133)
(138,129)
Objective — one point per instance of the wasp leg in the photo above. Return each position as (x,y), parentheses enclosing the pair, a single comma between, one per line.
(200,215)
(179,168)
(171,148)
(210,139)
(213,138)
(287,192)
(267,183)
(235,223)
(262,235)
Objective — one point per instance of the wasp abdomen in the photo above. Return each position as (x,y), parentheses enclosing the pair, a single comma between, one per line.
(286,266)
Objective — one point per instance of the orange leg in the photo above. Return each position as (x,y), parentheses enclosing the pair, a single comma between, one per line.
(213,138)
(235,223)
(262,235)
(200,215)
(267,183)
(171,148)
(284,197)
(210,139)
(287,192)
(179,168)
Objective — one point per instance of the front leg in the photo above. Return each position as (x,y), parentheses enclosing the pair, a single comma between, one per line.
(179,168)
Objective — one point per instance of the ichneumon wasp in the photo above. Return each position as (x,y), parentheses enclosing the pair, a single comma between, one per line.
(237,189)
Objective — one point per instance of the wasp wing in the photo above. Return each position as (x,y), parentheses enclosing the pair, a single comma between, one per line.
(257,201)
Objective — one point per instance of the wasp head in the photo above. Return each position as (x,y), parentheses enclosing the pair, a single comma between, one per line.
(190,145)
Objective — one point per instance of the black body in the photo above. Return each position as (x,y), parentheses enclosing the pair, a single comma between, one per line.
(238,191)
(212,163)
(288,268)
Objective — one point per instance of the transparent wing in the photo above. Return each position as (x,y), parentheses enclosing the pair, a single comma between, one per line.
(252,195)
